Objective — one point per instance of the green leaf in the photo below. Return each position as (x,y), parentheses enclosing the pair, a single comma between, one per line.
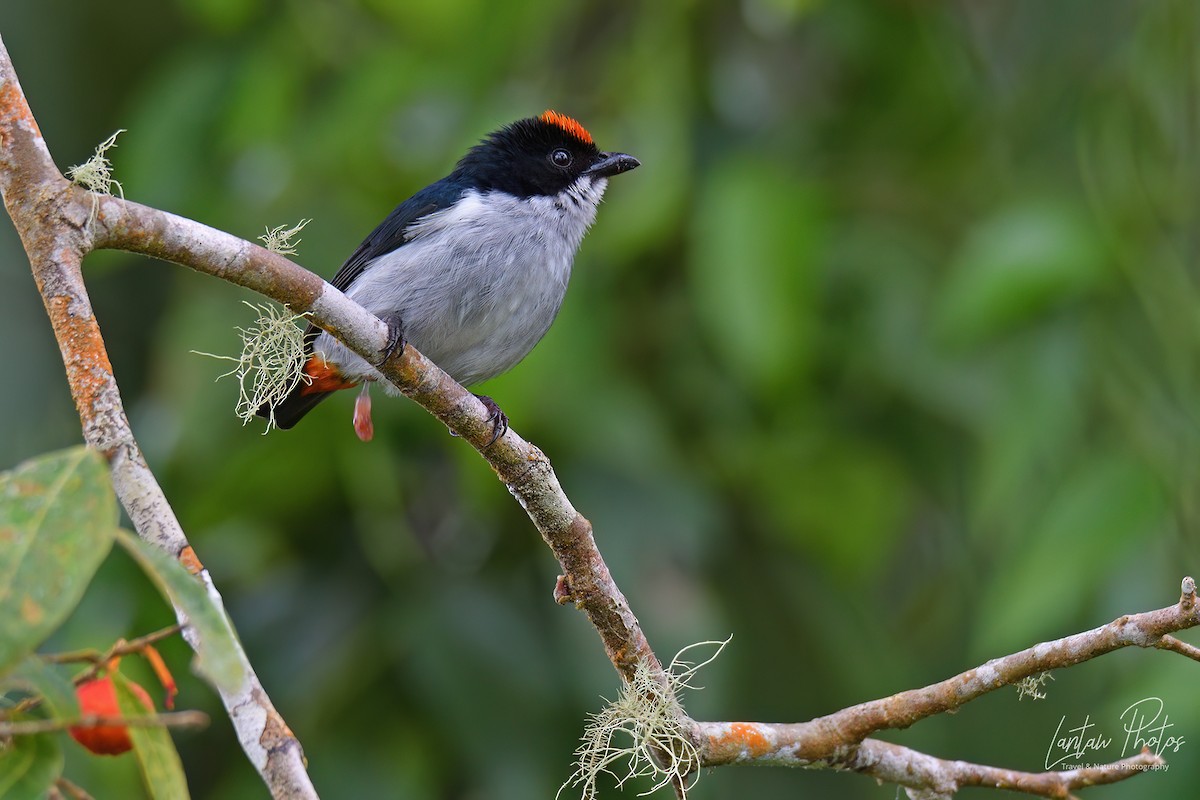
(156,753)
(29,765)
(754,250)
(844,507)
(1099,518)
(1015,266)
(38,677)
(57,514)
(217,655)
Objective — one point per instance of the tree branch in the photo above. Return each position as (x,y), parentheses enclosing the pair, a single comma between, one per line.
(121,648)
(51,217)
(1148,629)
(838,740)
(522,467)
(936,778)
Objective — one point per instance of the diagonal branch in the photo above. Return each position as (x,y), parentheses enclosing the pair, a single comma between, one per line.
(837,740)
(522,467)
(1148,629)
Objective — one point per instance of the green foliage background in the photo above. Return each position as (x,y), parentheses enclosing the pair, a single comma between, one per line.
(884,362)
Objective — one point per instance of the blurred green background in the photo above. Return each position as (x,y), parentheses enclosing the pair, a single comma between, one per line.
(885,362)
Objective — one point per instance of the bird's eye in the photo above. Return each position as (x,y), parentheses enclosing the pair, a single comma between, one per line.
(561,158)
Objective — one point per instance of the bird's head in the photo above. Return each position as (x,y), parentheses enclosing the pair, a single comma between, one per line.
(544,155)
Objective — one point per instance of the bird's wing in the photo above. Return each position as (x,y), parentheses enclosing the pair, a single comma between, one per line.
(387,236)
(393,231)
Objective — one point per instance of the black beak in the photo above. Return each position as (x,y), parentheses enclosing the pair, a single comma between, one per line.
(609,164)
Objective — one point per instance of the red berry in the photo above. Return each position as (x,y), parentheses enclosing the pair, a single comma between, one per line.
(99,697)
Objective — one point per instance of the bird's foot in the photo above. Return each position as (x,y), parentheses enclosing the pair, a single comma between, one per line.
(497,417)
(395,341)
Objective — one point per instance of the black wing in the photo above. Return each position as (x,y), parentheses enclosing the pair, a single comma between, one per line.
(387,236)
(392,232)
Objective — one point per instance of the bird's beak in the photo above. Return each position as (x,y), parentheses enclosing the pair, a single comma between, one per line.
(610,164)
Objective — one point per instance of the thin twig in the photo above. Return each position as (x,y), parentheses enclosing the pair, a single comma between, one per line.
(167,719)
(1177,646)
(98,659)
(121,647)
(898,764)
(76,792)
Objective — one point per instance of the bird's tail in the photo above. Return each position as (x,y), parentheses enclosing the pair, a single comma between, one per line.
(323,380)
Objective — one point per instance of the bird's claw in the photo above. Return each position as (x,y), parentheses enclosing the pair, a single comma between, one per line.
(497,417)
(395,341)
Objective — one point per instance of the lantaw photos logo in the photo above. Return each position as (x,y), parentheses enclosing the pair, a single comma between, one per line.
(1143,725)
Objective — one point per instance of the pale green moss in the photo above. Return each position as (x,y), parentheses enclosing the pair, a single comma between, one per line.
(271,363)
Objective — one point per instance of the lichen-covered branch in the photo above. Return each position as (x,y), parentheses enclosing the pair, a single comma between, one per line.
(839,739)
(52,216)
(1148,629)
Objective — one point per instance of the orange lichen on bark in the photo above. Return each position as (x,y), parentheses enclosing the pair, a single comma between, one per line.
(14,107)
(746,736)
(190,561)
(275,733)
(88,369)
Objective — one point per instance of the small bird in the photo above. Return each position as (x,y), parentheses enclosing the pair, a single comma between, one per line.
(472,269)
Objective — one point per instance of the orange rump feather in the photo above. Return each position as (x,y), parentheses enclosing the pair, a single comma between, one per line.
(324,377)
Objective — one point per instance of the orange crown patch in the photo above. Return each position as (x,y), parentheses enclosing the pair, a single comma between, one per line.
(567,124)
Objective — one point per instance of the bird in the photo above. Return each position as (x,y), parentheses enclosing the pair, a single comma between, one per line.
(472,269)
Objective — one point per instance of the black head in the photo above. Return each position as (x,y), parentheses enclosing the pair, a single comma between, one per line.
(538,156)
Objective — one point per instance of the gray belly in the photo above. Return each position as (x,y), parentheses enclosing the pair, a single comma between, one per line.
(485,330)
(474,314)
